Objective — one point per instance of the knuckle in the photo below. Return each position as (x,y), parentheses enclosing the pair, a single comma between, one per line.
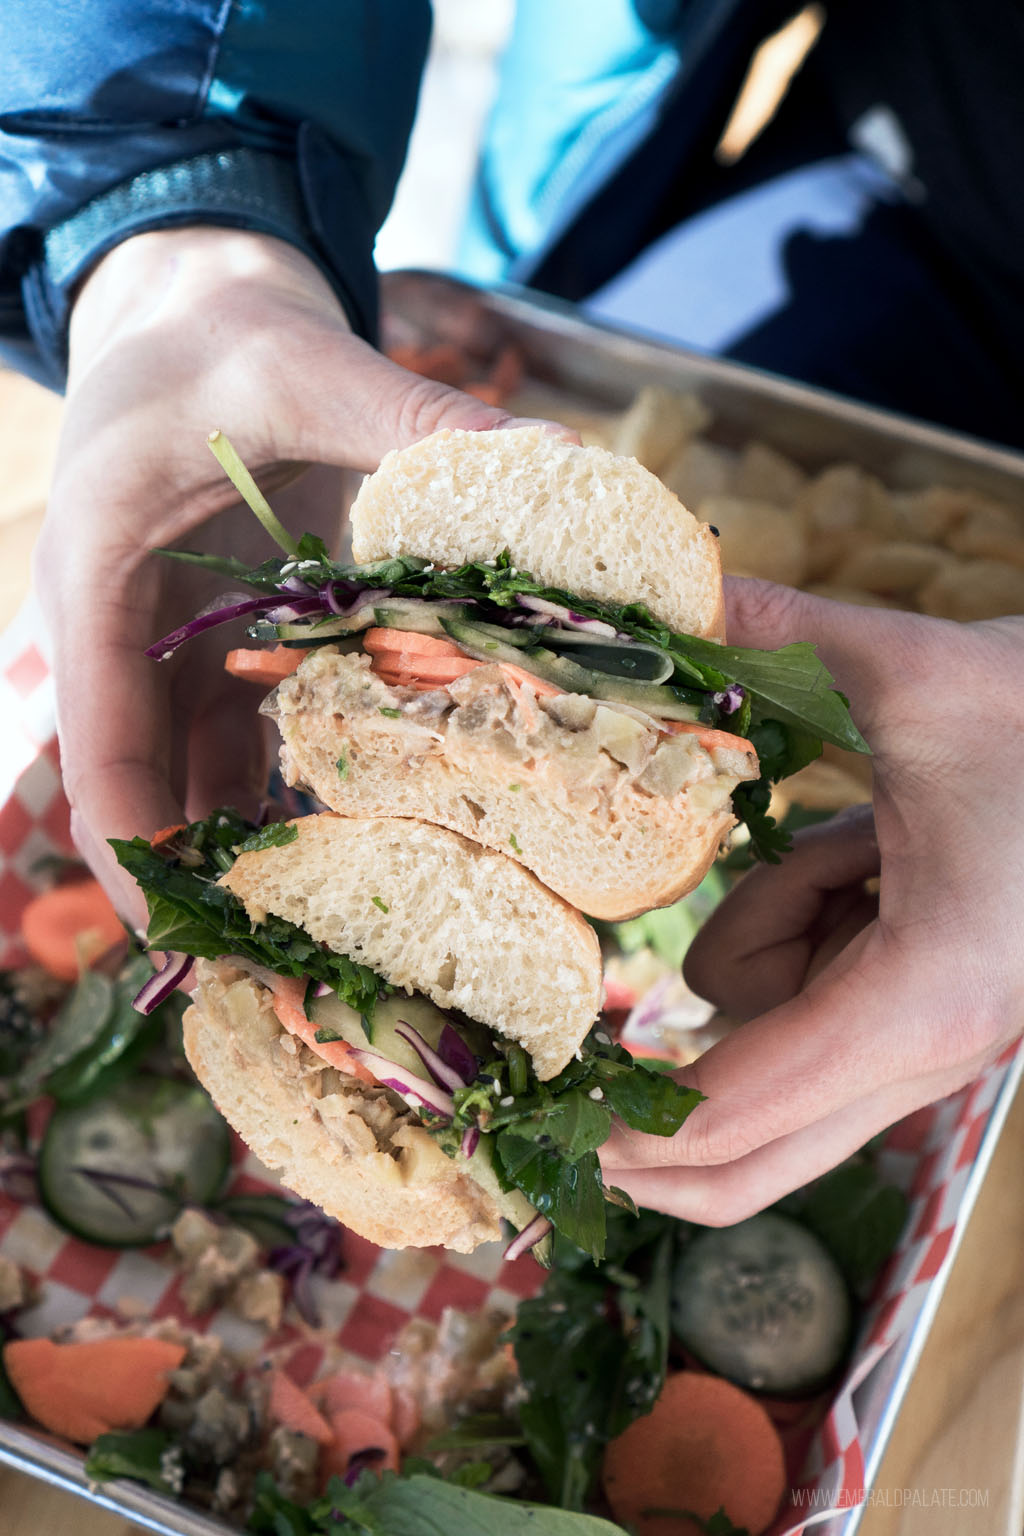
(712,1140)
(762,606)
(723,1203)
(426,407)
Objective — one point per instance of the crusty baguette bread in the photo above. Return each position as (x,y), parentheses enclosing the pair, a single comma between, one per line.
(580,519)
(590,824)
(434,913)
(348,1149)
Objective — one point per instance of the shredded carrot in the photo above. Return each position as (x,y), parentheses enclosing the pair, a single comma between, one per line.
(166,834)
(707,737)
(268,667)
(542,689)
(289,999)
(706,1445)
(68,927)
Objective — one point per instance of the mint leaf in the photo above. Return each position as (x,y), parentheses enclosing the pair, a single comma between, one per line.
(592,1349)
(570,1195)
(645,1100)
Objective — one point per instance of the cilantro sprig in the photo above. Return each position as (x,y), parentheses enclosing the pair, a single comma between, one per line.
(546,1135)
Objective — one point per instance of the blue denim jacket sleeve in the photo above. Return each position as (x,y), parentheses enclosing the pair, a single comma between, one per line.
(286,116)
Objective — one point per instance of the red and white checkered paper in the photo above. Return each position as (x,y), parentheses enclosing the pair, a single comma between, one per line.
(931,1155)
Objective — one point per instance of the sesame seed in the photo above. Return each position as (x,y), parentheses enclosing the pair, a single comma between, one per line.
(507,1100)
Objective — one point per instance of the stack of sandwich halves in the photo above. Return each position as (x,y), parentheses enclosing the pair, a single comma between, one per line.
(402,1015)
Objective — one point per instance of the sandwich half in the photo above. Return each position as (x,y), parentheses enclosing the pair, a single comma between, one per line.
(400,1021)
(530,653)
(531,727)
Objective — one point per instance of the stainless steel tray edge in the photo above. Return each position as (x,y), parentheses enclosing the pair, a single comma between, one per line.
(27,1452)
(913,1346)
(815,424)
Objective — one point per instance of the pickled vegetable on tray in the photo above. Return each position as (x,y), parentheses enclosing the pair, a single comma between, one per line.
(706,1446)
(764,1304)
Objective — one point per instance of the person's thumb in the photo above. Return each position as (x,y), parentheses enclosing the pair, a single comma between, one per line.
(361,405)
(877,656)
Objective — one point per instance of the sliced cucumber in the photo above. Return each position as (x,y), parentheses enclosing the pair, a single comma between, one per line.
(417,615)
(486,642)
(341,1022)
(117,1171)
(661,700)
(764,1304)
(512,1203)
(323,629)
(620,658)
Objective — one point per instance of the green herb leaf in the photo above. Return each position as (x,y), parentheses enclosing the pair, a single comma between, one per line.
(379,903)
(420,1505)
(276,835)
(570,1195)
(858,1217)
(79,1022)
(592,1349)
(646,1101)
(137,1454)
(342,766)
(193,914)
(798,816)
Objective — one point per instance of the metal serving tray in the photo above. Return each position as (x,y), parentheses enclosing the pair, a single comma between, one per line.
(603,367)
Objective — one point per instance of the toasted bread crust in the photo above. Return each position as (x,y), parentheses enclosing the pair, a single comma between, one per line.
(584,520)
(432,912)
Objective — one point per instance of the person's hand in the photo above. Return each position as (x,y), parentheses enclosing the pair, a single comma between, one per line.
(175,333)
(859,1008)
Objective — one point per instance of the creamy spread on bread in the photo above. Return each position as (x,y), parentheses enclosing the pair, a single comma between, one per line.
(597,749)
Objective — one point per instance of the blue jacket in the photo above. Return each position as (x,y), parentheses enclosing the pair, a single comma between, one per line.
(286,116)
(292,117)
